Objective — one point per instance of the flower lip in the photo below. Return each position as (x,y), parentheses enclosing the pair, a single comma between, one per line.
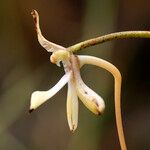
(90,99)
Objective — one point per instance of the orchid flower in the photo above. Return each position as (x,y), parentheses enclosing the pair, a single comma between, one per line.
(76,87)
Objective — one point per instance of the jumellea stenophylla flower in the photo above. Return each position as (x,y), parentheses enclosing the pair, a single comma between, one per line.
(76,87)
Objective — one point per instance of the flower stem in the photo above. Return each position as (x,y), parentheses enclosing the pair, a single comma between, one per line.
(117,92)
(109,37)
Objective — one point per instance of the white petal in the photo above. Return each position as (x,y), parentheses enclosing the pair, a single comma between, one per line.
(49,46)
(39,97)
(72,106)
(91,100)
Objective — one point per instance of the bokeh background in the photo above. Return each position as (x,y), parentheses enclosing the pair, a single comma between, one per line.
(25,67)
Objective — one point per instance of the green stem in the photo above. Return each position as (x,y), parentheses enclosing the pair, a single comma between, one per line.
(109,37)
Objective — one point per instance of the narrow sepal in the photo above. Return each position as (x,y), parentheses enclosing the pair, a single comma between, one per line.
(49,46)
(72,106)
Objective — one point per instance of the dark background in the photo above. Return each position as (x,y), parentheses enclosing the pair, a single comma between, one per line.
(25,67)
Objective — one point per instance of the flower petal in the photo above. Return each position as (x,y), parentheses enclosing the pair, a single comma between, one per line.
(72,106)
(39,97)
(49,46)
(91,100)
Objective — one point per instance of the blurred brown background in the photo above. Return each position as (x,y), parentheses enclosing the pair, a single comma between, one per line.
(25,67)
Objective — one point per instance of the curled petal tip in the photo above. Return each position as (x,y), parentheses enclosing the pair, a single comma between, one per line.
(72,107)
(49,46)
(34,14)
(90,99)
(31,110)
(73,128)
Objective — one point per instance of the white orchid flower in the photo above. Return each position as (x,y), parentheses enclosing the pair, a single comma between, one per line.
(76,87)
